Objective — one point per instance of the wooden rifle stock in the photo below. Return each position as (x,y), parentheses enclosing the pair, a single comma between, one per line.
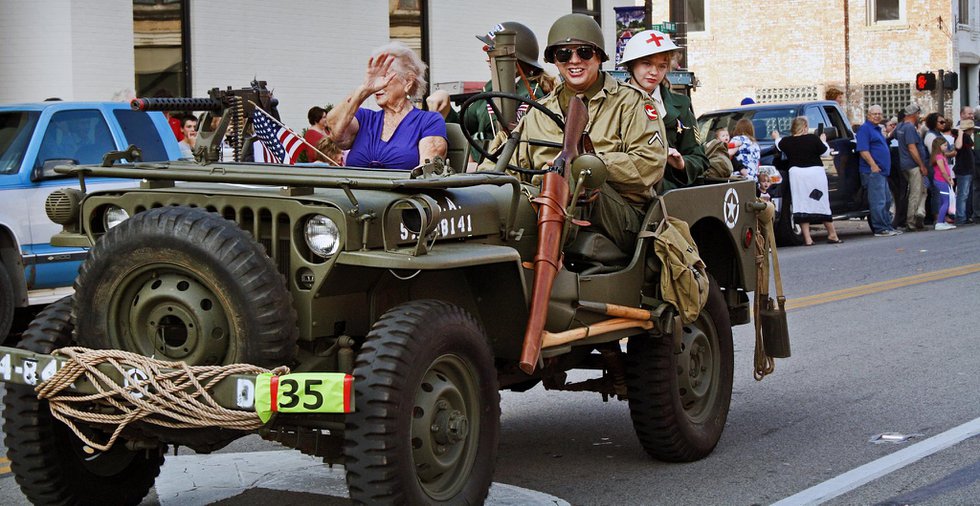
(552,202)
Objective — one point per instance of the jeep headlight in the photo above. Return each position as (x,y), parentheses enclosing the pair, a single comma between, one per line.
(322,235)
(113,216)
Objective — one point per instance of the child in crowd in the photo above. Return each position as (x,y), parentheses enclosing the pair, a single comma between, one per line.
(942,178)
(763,187)
(722,135)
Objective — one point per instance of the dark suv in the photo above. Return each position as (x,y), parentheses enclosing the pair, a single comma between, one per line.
(847,198)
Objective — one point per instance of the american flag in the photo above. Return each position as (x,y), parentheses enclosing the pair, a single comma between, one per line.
(282,144)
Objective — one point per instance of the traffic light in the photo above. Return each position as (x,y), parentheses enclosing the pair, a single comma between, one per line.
(925,81)
(951,81)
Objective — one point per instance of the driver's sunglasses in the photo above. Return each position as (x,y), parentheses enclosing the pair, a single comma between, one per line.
(563,54)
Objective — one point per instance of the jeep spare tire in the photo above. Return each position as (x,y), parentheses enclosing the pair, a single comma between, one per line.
(183,284)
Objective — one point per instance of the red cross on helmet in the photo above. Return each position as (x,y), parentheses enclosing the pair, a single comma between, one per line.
(646,43)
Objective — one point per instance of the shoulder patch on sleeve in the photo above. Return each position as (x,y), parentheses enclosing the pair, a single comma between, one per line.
(651,112)
(658,138)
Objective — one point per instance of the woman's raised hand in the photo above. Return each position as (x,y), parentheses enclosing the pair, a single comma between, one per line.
(379,72)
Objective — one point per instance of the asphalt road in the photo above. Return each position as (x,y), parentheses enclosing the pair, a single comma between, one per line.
(890,346)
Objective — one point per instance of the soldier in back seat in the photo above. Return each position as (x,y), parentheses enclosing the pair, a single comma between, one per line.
(624,128)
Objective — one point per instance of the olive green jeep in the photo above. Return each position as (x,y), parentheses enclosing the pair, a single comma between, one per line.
(416,284)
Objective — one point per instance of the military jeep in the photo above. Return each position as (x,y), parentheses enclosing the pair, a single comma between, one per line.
(417,284)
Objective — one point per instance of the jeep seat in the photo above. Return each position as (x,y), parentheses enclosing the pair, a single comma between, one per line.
(459,148)
(594,252)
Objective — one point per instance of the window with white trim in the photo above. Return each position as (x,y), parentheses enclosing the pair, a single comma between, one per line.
(886,11)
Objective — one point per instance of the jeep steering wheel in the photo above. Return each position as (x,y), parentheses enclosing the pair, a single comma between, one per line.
(495,155)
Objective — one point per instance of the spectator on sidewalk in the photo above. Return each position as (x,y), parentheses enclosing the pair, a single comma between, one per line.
(912,154)
(317,116)
(963,169)
(942,179)
(807,178)
(875,166)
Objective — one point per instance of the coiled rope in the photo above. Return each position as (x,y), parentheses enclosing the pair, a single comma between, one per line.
(174,395)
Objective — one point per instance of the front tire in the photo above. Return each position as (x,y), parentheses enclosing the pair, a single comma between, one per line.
(183,284)
(50,463)
(427,418)
(679,401)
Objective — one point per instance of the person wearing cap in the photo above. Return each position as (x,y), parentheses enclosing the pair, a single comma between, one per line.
(912,155)
(648,56)
(532,82)
(875,166)
(626,132)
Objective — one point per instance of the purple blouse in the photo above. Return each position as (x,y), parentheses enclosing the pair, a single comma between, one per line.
(401,151)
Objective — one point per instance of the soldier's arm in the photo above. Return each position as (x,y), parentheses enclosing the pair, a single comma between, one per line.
(641,163)
(695,161)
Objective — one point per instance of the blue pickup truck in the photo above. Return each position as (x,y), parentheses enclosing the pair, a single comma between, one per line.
(34,138)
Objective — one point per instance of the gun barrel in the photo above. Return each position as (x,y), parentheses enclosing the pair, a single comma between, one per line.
(176,104)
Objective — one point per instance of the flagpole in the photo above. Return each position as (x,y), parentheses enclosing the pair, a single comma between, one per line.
(274,120)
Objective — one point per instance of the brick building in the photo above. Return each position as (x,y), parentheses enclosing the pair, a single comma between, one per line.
(783,50)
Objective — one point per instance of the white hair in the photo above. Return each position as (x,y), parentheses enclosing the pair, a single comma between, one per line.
(406,62)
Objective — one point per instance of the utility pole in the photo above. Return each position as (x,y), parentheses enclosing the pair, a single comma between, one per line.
(941,86)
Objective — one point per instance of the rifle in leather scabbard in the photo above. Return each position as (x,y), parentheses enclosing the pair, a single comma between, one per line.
(552,203)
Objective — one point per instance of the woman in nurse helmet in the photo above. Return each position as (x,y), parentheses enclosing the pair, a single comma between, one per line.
(648,56)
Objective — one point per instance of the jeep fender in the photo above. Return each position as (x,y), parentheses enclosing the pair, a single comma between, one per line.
(11,260)
(486,280)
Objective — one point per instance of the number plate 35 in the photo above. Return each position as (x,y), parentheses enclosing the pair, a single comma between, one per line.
(310,392)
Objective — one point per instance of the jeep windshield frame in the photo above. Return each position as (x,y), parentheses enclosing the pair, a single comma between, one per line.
(16,129)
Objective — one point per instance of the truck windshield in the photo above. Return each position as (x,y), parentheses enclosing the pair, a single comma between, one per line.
(15,134)
(763,120)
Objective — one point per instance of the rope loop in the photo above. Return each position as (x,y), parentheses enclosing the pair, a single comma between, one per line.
(167,394)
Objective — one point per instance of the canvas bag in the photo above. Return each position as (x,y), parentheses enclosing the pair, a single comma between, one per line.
(719,164)
(684,280)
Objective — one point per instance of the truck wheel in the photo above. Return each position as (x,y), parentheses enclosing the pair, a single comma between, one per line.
(183,284)
(6,303)
(679,401)
(53,466)
(788,232)
(427,413)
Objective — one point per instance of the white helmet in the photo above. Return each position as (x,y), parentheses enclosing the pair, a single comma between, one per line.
(646,43)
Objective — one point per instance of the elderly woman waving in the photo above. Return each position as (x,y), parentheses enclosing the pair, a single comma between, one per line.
(399,136)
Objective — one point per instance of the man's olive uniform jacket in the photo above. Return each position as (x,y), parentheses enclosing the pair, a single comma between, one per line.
(625,134)
(680,124)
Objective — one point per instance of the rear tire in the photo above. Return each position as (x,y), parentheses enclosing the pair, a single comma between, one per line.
(788,232)
(679,401)
(50,463)
(427,420)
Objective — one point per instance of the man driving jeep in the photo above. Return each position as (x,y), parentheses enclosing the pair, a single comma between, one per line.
(625,129)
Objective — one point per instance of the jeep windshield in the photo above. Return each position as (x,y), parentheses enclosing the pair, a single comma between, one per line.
(765,121)
(15,134)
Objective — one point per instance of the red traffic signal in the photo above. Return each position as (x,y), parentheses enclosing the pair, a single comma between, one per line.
(925,81)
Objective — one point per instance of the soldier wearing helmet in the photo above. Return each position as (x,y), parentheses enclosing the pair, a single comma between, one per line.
(625,132)
(648,56)
(532,82)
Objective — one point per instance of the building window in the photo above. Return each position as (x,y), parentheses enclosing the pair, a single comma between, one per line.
(964,17)
(407,23)
(589,8)
(791,94)
(161,48)
(694,14)
(892,97)
(886,11)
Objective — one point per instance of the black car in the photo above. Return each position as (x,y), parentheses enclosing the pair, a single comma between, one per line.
(847,197)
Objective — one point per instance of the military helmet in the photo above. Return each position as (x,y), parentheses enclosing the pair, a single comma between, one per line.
(646,43)
(574,29)
(526,42)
